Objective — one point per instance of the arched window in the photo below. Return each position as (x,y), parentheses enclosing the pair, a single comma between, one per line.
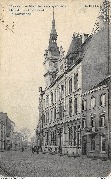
(93,102)
(103,100)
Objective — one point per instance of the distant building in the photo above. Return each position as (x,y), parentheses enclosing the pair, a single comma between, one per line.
(17,141)
(9,133)
(75,106)
(6,132)
(33,141)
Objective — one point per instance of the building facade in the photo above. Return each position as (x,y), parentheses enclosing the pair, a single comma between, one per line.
(95,121)
(6,132)
(75,106)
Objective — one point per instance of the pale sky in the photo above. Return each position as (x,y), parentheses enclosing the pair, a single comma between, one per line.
(22,52)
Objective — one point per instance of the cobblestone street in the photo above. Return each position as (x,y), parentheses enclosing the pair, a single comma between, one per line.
(25,164)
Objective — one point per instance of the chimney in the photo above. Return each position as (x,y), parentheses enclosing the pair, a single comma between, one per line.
(101,22)
(84,37)
(77,42)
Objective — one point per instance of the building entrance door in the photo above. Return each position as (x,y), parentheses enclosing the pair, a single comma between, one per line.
(84,145)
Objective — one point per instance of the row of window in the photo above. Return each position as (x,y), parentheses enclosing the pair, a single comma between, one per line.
(93,121)
(101,120)
(102,102)
(53,115)
(74,139)
(61,108)
(102,143)
(51,138)
(84,105)
(59,92)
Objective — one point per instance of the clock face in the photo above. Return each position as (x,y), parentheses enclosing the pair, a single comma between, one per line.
(53,48)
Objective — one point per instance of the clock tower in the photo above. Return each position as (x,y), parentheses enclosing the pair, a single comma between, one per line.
(51,55)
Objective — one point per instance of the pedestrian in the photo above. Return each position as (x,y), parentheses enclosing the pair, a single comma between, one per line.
(22,149)
(32,150)
(37,149)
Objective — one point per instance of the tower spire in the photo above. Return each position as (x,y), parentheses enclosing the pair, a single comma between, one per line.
(53,48)
(53,23)
(53,34)
(53,12)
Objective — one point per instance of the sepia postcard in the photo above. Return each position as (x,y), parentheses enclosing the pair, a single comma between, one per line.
(55,88)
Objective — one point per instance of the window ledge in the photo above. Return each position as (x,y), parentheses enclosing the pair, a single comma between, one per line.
(102,106)
(92,151)
(103,152)
(102,127)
